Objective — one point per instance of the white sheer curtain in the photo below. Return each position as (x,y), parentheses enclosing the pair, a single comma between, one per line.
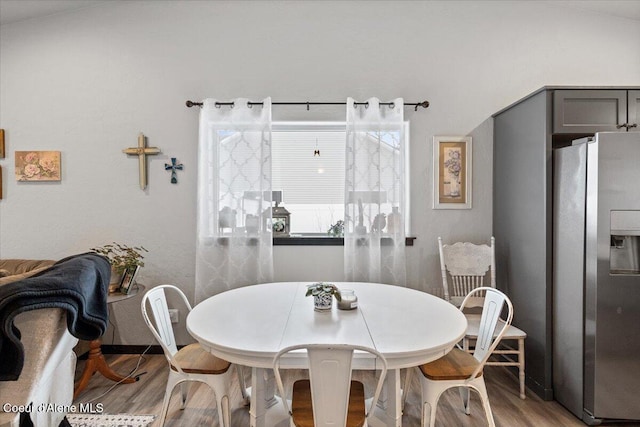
(374,235)
(234,245)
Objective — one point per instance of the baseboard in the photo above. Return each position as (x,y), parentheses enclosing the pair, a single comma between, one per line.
(125,349)
(542,392)
(131,349)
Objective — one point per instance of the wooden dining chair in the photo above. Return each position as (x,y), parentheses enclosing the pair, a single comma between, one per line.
(329,398)
(190,363)
(467,265)
(464,267)
(461,369)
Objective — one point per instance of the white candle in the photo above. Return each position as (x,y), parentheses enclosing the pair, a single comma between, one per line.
(348,300)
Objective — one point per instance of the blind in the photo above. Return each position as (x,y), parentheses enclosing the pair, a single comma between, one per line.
(303,177)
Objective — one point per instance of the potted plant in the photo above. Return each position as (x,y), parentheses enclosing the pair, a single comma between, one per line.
(337,229)
(323,294)
(122,258)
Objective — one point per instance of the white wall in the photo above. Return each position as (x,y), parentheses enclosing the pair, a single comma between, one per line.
(86,82)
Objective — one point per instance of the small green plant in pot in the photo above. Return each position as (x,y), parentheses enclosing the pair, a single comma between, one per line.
(323,294)
(337,229)
(121,257)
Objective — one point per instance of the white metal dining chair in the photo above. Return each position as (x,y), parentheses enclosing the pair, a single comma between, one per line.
(190,363)
(468,265)
(329,398)
(461,369)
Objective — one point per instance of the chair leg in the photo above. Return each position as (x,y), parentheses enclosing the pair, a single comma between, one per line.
(220,386)
(184,390)
(521,367)
(172,381)
(466,398)
(433,409)
(165,407)
(431,391)
(243,385)
(407,385)
(223,410)
(426,414)
(482,390)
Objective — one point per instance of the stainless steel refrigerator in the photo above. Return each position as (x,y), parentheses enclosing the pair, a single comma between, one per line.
(596,277)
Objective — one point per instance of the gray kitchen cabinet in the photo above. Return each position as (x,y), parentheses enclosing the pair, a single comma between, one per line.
(633,110)
(525,135)
(587,111)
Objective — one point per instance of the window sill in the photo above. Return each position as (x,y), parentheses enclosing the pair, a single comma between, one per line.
(325,241)
(300,241)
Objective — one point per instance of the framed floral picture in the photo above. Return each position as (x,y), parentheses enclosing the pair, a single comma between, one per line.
(37,166)
(452,172)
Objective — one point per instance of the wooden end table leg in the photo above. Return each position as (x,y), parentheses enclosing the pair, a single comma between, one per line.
(97,363)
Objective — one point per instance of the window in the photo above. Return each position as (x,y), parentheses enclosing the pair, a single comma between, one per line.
(308,166)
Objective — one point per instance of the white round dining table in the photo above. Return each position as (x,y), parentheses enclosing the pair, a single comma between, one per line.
(249,325)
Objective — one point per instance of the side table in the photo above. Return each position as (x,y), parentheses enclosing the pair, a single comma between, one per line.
(96,361)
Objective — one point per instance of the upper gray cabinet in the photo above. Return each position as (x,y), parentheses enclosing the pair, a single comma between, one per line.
(579,111)
(633,110)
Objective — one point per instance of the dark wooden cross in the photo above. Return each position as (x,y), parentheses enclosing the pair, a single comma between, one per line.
(173,167)
(142,151)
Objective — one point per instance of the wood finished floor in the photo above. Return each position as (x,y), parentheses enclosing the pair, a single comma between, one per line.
(146,395)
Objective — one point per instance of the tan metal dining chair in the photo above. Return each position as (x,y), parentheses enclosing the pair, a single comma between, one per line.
(190,363)
(466,266)
(329,398)
(461,369)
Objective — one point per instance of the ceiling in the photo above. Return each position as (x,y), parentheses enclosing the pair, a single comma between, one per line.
(20,10)
(622,8)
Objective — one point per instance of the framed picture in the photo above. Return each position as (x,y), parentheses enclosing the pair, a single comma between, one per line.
(128,279)
(452,172)
(37,166)
(1,143)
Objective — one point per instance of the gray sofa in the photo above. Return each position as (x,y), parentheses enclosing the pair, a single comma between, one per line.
(49,361)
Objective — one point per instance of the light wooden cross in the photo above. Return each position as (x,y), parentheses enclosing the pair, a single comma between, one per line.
(142,151)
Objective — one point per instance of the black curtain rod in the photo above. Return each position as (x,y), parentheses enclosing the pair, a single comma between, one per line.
(423,104)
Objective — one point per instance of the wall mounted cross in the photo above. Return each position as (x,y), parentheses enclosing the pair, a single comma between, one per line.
(173,167)
(142,151)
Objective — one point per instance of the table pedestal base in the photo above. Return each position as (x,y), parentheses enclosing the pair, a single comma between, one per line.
(97,363)
(266,409)
(389,406)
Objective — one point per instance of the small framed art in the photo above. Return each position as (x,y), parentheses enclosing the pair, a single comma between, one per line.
(452,156)
(128,279)
(37,166)
(1,143)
